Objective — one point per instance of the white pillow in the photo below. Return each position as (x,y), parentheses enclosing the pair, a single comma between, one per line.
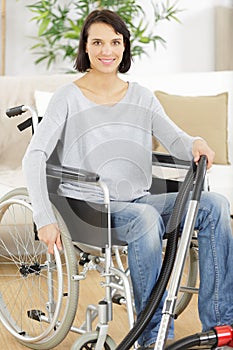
(42,99)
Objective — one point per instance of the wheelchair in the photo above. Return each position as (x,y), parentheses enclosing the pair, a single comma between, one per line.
(39,292)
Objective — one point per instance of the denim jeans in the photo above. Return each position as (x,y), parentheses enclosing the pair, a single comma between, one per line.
(142,224)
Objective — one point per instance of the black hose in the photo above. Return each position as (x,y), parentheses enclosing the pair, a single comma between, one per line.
(185,343)
(172,230)
(198,339)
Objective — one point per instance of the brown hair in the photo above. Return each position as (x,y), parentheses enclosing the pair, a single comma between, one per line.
(82,62)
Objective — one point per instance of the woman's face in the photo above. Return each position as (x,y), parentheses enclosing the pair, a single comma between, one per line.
(104,47)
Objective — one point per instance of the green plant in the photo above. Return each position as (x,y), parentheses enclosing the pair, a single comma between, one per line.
(59,25)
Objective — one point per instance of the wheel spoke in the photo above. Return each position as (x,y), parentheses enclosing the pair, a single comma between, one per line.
(32,282)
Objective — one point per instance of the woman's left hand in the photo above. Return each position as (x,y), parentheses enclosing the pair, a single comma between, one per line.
(201,147)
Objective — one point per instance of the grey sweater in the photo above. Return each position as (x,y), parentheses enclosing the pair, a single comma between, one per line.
(113,141)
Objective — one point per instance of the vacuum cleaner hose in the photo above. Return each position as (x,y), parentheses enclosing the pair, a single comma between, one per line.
(198,339)
(218,336)
(172,231)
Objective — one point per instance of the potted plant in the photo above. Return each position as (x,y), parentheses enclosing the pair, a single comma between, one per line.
(59,25)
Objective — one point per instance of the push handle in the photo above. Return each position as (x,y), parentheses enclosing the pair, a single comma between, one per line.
(18,110)
(14,111)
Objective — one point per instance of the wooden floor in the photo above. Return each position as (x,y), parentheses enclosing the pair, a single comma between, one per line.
(90,291)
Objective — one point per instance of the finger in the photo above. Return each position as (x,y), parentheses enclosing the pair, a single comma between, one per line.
(58,242)
(209,163)
(196,157)
(50,248)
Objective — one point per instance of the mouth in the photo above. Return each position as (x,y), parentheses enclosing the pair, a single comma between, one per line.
(107,61)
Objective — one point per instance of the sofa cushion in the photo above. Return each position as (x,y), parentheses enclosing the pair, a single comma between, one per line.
(204,116)
(42,99)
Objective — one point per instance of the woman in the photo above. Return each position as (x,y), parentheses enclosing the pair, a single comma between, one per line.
(103,124)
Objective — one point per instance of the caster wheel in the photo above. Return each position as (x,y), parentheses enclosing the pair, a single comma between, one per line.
(88,341)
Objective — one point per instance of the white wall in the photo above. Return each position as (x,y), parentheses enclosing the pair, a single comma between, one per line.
(190,45)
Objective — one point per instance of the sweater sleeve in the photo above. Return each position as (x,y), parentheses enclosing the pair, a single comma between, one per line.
(39,150)
(175,140)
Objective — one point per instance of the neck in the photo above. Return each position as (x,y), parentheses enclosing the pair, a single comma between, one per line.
(102,81)
(102,88)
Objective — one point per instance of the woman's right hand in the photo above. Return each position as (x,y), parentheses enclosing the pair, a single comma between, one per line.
(50,235)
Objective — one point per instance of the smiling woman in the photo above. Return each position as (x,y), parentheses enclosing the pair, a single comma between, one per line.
(103,124)
(104,47)
(104,50)
(118,36)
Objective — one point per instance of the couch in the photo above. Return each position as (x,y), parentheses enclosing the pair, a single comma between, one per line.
(201,103)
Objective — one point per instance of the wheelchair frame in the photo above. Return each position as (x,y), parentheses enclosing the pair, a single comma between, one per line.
(116,278)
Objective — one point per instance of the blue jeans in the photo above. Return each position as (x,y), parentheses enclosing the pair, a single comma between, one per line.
(142,224)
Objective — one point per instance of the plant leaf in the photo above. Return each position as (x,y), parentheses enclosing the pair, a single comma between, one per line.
(43,26)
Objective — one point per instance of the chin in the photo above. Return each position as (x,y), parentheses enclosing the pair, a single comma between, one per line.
(107,71)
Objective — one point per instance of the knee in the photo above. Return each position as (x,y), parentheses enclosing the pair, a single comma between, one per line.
(148,220)
(215,202)
(214,210)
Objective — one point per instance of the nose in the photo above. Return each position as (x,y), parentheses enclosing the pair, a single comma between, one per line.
(106,49)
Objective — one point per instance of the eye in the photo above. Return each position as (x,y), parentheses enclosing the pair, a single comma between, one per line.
(116,42)
(97,42)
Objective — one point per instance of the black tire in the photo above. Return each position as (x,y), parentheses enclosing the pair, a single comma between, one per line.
(87,340)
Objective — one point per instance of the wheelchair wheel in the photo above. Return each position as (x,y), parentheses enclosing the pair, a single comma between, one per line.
(188,280)
(38,297)
(88,340)
(17,193)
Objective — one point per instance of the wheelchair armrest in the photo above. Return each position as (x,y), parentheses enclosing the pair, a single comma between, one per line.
(168,173)
(166,160)
(69,173)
